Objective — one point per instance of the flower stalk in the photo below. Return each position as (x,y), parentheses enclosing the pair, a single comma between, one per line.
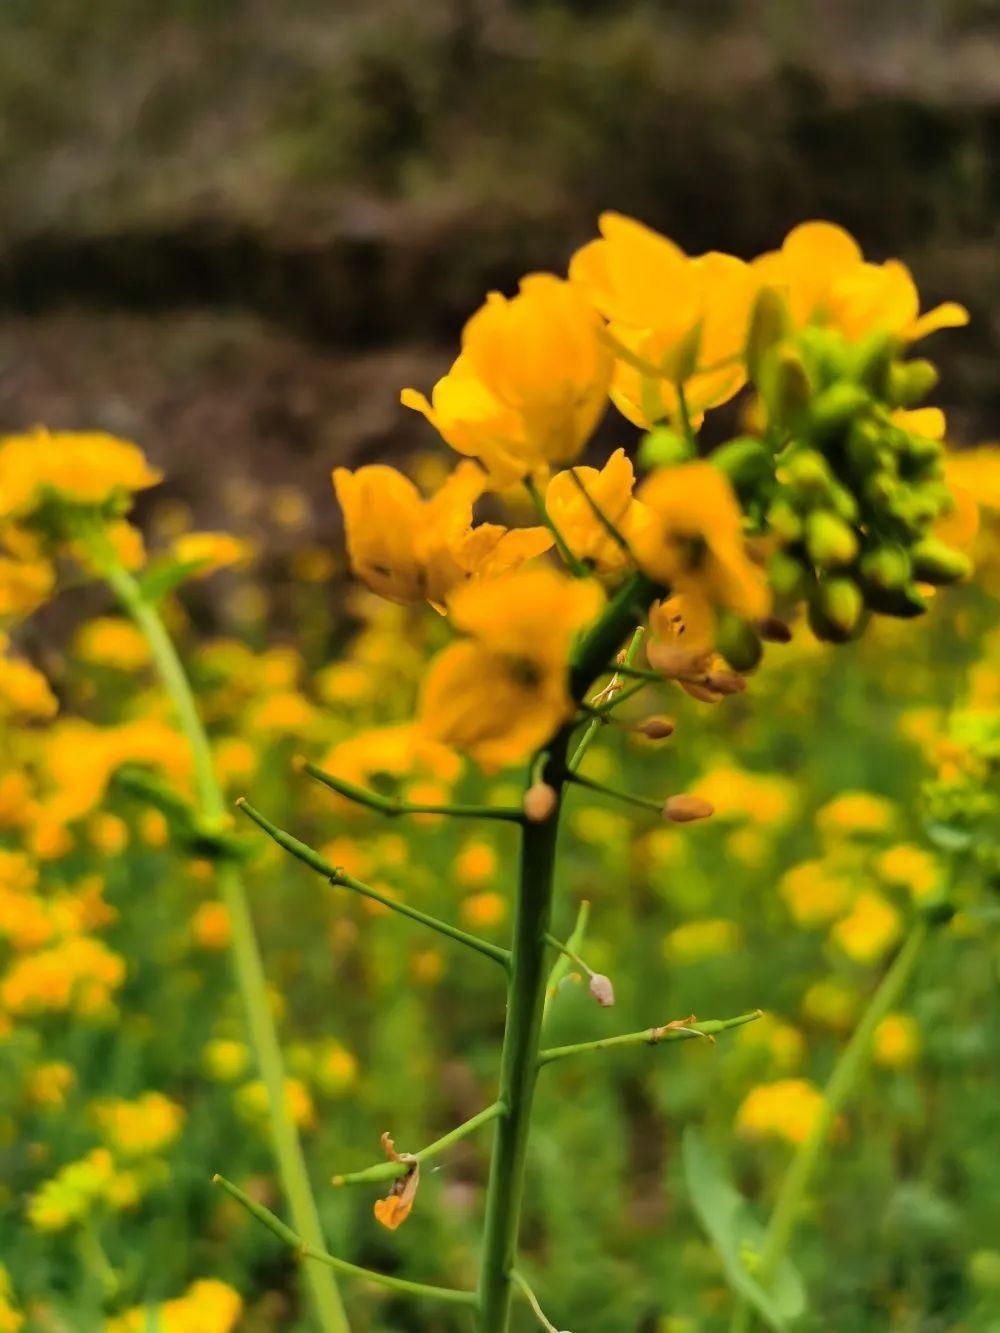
(245,950)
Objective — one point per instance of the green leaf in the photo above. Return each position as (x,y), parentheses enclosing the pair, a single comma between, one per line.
(733,1230)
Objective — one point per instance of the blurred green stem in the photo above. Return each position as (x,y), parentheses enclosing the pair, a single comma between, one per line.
(245,950)
(681,1031)
(839,1087)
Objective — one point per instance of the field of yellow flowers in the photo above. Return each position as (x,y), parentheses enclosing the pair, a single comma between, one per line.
(775,880)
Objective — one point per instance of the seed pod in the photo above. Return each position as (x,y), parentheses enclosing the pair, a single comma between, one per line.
(737,641)
(540,801)
(937,563)
(910,382)
(685,809)
(664,448)
(835,609)
(829,541)
(656,728)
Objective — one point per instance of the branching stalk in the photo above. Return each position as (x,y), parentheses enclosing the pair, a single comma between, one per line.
(678,1031)
(387,805)
(390,1170)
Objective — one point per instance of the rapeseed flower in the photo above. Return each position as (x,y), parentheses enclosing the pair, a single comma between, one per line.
(80,468)
(786,1109)
(580,520)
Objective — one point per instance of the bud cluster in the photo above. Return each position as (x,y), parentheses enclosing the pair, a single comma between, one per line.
(843,478)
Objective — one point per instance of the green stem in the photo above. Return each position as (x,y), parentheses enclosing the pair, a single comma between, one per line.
(839,1087)
(561,966)
(650,1036)
(386,805)
(522,1284)
(601,714)
(643,802)
(340,878)
(576,566)
(275,1225)
(527,984)
(390,1170)
(243,944)
(685,415)
(569,953)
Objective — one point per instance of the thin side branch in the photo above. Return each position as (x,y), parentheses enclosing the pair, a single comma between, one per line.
(613,692)
(630,798)
(342,879)
(521,1283)
(285,1233)
(386,805)
(680,1030)
(576,566)
(390,1170)
(561,966)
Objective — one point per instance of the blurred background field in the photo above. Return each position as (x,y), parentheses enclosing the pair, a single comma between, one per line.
(232,231)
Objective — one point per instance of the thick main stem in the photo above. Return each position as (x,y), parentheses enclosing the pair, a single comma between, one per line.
(518,1067)
(244,948)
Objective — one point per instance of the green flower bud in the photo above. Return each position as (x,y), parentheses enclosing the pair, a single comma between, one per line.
(662,447)
(769,325)
(871,360)
(836,609)
(807,472)
(902,603)
(886,567)
(829,541)
(936,562)
(748,464)
(867,450)
(783,521)
(738,642)
(910,382)
(788,576)
(834,409)
(785,386)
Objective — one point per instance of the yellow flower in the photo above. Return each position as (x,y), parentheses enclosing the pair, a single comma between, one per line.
(869,930)
(139,1128)
(694,540)
(74,467)
(107,832)
(856,813)
(412,550)
(504,692)
(697,940)
(832,1004)
(24,692)
(913,868)
(252,1102)
(24,586)
(736,794)
(210,552)
(208,1306)
(815,893)
(210,926)
(476,864)
(225,1060)
(530,385)
(335,1070)
(610,491)
(484,909)
(674,320)
(403,752)
(896,1043)
(786,1109)
(110,641)
(823,274)
(49,1084)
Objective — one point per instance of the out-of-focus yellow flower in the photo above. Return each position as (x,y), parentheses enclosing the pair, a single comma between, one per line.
(977,473)
(49,1084)
(476,864)
(912,868)
(74,467)
(403,752)
(290,507)
(483,910)
(673,320)
(153,828)
(825,279)
(335,1070)
(413,550)
(313,564)
(110,641)
(345,683)
(16,799)
(503,692)
(24,692)
(236,760)
(70,1195)
(870,929)
(208,1306)
(694,540)
(786,1109)
(577,517)
(762,798)
(697,940)
(210,926)
(783,1043)
(11,1319)
(24,586)
(856,814)
(896,1043)
(107,833)
(285,713)
(530,385)
(225,1060)
(815,893)
(139,1128)
(252,1103)
(831,1003)
(79,973)
(210,552)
